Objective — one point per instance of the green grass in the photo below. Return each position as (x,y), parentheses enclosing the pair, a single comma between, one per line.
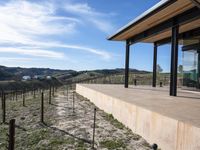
(114,122)
(135,137)
(36,136)
(80,145)
(3,137)
(112,144)
(56,141)
(32,135)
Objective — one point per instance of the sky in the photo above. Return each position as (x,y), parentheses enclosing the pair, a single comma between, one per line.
(72,34)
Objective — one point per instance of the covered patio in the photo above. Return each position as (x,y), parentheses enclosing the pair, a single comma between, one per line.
(170,21)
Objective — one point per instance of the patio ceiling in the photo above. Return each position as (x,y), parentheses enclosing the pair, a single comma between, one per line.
(166,34)
(158,14)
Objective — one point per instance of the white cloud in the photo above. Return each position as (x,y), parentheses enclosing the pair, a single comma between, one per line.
(32,52)
(81,8)
(87,13)
(15,59)
(27,24)
(26,18)
(104,54)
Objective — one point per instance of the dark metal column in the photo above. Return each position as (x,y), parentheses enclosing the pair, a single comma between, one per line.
(198,77)
(174,60)
(154,65)
(171,70)
(127,64)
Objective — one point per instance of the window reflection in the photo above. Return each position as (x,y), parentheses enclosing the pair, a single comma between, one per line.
(191,64)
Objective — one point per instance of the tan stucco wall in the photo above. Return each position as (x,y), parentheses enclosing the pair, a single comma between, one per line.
(168,133)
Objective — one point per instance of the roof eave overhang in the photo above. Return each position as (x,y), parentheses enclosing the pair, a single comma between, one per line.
(188,16)
(155,9)
(196,3)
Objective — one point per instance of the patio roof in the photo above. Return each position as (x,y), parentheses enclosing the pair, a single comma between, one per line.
(158,14)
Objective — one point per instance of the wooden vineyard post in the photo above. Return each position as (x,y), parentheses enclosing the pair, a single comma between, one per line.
(67,92)
(135,82)
(73,101)
(50,95)
(23,98)
(11,145)
(42,107)
(13,95)
(53,91)
(34,93)
(2,100)
(16,95)
(94,126)
(9,95)
(22,93)
(4,108)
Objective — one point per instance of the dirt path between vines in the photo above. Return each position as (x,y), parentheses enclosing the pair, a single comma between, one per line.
(110,134)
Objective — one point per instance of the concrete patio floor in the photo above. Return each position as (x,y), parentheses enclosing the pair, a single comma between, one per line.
(172,122)
(184,107)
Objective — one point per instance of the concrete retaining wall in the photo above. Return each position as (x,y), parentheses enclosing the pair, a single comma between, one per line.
(168,133)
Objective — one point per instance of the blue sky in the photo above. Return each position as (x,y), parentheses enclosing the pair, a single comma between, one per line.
(71,34)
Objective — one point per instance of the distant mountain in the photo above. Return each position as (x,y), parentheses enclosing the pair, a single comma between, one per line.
(118,70)
(16,73)
(92,74)
(4,75)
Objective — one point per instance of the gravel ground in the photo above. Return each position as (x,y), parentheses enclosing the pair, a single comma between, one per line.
(65,128)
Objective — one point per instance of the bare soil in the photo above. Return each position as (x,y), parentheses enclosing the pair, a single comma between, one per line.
(65,128)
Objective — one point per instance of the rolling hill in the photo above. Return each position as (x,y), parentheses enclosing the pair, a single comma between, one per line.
(16,73)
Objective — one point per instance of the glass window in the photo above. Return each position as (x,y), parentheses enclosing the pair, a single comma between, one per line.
(191,63)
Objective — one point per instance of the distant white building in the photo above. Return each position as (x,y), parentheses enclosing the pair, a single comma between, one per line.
(26,78)
(48,77)
(35,77)
(39,77)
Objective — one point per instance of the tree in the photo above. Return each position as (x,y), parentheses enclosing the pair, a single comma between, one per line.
(180,69)
(159,69)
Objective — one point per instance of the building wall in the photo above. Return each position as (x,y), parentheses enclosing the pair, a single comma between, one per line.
(168,133)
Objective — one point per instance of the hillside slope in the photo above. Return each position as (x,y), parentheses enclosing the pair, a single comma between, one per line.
(16,73)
